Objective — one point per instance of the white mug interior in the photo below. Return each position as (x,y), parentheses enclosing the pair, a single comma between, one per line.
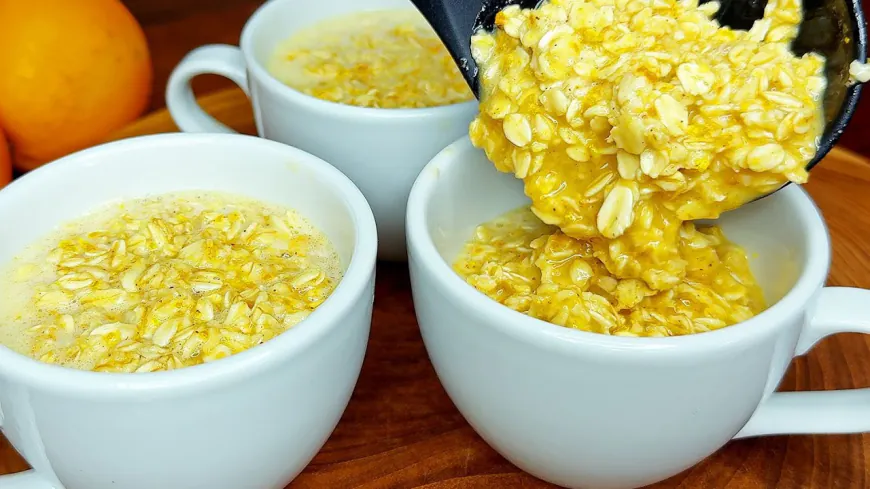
(35,204)
(773,230)
(279,19)
(257,417)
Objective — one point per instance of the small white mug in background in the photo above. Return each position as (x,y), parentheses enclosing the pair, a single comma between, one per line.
(381,150)
(252,420)
(585,410)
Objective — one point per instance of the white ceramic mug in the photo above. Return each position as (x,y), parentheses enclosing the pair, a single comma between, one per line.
(252,420)
(381,150)
(584,410)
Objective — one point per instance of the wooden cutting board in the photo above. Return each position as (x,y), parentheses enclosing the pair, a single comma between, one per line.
(401,430)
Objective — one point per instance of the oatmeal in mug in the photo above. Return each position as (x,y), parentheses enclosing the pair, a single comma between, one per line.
(165,282)
(158,252)
(385,59)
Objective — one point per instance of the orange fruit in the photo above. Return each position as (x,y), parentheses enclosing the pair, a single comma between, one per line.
(71,72)
(5,162)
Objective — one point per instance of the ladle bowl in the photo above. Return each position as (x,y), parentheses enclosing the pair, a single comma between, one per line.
(835,29)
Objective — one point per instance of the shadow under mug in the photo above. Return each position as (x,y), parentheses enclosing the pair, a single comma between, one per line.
(586,410)
(381,150)
(254,419)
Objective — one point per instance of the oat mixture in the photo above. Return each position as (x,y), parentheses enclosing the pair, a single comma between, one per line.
(535,269)
(383,59)
(166,282)
(625,119)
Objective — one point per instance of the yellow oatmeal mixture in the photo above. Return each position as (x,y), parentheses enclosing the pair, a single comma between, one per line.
(626,120)
(535,269)
(385,59)
(165,282)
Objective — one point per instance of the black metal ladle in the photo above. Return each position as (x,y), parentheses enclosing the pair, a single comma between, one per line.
(833,28)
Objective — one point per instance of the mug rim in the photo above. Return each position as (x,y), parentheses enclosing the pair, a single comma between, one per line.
(544,334)
(258,71)
(322,321)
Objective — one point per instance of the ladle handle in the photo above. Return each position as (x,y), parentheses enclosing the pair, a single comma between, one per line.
(453,21)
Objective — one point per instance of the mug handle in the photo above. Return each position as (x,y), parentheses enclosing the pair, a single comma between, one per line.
(29,479)
(837,310)
(214,59)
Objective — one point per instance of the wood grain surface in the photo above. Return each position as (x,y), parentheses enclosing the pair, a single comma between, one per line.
(401,430)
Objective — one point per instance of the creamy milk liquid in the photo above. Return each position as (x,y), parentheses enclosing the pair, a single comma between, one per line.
(31,267)
(386,58)
(337,34)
